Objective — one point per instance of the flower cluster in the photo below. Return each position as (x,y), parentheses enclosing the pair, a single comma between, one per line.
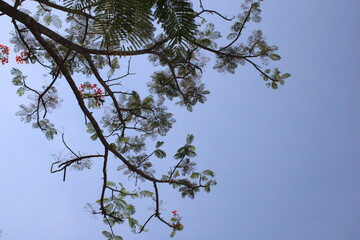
(175,221)
(93,93)
(22,58)
(4,54)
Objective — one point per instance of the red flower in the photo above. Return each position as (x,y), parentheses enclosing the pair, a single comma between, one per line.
(19,60)
(5,49)
(174,212)
(85,88)
(4,54)
(23,57)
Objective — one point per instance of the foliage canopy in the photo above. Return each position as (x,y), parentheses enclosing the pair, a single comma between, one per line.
(97,37)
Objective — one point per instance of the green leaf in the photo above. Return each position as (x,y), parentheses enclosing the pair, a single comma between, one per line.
(190,152)
(208,173)
(203,178)
(189,138)
(274,85)
(123,139)
(274,57)
(180,228)
(179,155)
(160,153)
(173,234)
(110,221)
(177,19)
(286,75)
(91,128)
(131,209)
(94,137)
(159,144)
(28,118)
(147,102)
(50,133)
(110,183)
(176,174)
(21,91)
(47,19)
(109,207)
(132,222)
(208,185)
(123,22)
(107,234)
(46,127)
(113,146)
(194,175)
(56,21)
(18,79)
(145,193)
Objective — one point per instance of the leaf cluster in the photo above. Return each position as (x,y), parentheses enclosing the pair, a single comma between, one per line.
(95,40)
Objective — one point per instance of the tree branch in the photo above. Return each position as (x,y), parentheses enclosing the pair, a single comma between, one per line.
(64,9)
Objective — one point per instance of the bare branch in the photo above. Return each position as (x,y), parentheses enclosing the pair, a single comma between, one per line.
(241,28)
(212,12)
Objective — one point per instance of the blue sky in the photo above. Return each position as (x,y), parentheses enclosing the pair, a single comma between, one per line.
(287,161)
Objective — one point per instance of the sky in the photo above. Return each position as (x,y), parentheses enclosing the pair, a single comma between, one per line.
(286,161)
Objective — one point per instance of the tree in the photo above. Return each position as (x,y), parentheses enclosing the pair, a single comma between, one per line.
(96,39)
